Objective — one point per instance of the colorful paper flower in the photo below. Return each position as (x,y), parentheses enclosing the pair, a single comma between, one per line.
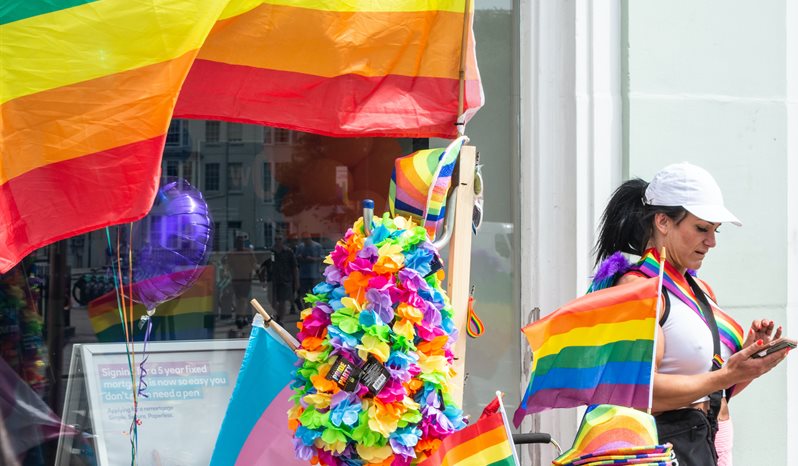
(379,301)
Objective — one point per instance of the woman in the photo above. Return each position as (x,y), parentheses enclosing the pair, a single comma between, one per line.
(698,363)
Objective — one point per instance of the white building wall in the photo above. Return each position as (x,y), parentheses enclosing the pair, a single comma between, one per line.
(715,83)
(709,83)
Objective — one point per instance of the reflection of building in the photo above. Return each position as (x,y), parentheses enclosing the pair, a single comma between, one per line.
(236,171)
(261,182)
(233,165)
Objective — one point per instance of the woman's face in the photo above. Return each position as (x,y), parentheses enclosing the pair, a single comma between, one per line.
(687,241)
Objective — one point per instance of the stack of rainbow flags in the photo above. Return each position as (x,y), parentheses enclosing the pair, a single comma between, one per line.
(616,435)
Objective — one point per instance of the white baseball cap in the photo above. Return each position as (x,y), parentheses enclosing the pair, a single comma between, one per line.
(686,185)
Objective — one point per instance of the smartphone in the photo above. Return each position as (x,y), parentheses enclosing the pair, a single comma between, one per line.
(778,345)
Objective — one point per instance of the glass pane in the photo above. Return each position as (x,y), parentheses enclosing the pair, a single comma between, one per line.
(271,193)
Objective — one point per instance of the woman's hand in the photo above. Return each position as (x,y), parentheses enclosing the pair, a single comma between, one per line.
(761,329)
(741,368)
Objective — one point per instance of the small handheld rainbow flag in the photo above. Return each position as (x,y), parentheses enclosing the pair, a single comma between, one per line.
(596,349)
(486,442)
(420,182)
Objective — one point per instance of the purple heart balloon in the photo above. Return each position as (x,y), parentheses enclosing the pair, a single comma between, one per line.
(176,244)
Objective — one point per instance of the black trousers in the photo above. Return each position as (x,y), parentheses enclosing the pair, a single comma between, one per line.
(692,436)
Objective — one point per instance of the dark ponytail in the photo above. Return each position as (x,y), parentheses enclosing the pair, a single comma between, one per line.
(627,221)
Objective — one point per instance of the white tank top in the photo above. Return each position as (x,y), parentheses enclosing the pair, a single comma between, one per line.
(688,342)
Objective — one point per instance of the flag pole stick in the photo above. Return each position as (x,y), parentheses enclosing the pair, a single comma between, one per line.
(662,256)
(506,423)
(268,321)
(461,72)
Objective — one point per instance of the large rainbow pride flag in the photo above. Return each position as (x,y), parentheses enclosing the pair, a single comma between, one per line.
(596,349)
(88,88)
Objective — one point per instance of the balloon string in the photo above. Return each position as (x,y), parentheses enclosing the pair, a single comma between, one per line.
(127,347)
(136,420)
(133,431)
(145,356)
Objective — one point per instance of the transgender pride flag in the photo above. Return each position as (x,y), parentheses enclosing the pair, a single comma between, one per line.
(255,427)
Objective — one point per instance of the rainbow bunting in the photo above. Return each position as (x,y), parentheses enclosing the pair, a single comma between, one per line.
(486,442)
(88,88)
(188,317)
(595,349)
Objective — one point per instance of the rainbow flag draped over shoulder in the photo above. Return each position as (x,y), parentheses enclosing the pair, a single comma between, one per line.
(729,331)
(596,349)
(88,88)
(255,430)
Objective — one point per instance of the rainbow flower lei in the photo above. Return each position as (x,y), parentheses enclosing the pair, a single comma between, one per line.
(380,299)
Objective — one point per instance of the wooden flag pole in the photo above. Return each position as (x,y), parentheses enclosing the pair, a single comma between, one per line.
(267,321)
(463,51)
(459,271)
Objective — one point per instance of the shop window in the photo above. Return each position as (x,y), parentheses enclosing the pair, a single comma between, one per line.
(268,135)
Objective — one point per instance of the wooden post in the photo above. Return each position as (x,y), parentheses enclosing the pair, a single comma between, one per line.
(459,271)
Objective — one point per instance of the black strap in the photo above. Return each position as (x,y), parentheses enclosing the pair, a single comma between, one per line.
(714,397)
(666,311)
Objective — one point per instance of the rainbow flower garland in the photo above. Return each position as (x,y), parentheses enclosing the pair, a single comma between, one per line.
(381,300)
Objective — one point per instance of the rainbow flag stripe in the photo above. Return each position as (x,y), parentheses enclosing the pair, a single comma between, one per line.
(484,443)
(595,349)
(367,67)
(187,317)
(730,332)
(88,89)
(420,182)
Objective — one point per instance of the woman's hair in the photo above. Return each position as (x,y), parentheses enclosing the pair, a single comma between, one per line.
(626,224)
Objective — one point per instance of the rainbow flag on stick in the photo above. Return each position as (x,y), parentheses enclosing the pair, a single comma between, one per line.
(596,349)
(88,88)
(488,442)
